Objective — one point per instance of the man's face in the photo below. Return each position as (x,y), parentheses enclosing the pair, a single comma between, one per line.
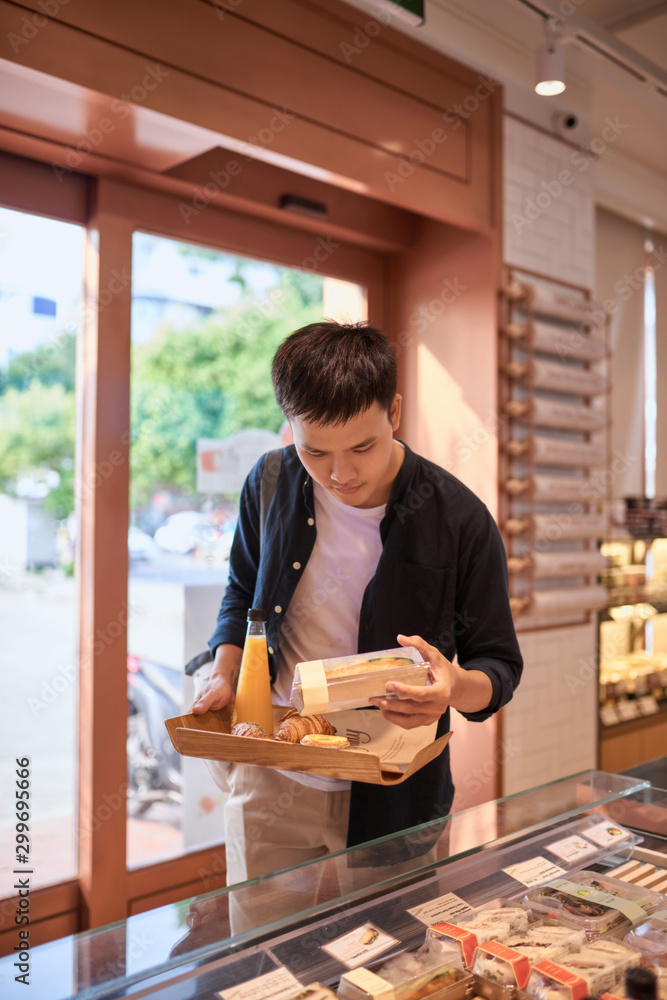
(355,461)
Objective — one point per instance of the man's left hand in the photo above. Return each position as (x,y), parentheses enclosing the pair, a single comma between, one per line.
(420,706)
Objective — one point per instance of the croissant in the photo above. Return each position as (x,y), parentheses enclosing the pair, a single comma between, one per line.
(294,726)
(251,729)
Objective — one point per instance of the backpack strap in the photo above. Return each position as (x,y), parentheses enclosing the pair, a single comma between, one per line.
(270,474)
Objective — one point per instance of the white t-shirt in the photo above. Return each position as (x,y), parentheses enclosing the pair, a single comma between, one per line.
(322,619)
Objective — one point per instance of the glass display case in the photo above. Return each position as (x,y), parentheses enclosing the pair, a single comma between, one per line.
(295,925)
(633,653)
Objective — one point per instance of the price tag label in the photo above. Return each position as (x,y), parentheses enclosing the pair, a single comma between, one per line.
(606,833)
(628,710)
(443,909)
(572,848)
(275,985)
(648,705)
(609,716)
(537,871)
(360,945)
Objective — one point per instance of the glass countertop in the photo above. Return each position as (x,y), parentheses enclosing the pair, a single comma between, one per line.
(135,956)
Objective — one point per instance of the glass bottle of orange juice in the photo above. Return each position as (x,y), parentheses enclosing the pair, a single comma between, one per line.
(253,692)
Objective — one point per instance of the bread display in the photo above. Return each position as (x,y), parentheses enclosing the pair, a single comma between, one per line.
(293,727)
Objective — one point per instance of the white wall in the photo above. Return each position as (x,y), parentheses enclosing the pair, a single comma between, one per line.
(549,727)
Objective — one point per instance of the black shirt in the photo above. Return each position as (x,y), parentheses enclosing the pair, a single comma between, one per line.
(442,575)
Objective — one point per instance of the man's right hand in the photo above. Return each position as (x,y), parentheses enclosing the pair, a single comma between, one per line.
(216,694)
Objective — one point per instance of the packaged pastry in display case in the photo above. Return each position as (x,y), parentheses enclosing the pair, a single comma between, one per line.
(595,903)
(315,991)
(501,965)
(427,971)
(547,939)
(344,682)
(622,956)
(493,922)
(576,981)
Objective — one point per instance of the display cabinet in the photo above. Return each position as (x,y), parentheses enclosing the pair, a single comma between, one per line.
(290,924)
(633,652)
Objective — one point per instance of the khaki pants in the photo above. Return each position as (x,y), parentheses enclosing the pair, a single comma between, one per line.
(273,822)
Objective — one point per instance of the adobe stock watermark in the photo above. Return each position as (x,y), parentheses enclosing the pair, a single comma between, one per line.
(454,118)
(224,7)
(221,179)
(587,669)
(84,488)
(92,138)
(51,690)
(362,37)
(31,24)
(579,158)
(258,310)
(421,318)
(592,491)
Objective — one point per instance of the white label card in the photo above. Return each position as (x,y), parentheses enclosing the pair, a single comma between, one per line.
(537,871)
(648,705)
(572,848)
(273,986)
(627,710)
(609,716)
(606,833)
(359,945)
(443,909)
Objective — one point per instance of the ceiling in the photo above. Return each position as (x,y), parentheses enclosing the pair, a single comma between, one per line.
(502,36)
(641,24)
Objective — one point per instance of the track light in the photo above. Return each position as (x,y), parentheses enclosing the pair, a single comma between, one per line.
(550,68)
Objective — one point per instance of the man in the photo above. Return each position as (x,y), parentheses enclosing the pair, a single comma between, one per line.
(363,538)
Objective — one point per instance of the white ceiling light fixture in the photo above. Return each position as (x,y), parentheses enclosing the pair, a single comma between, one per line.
(550,64)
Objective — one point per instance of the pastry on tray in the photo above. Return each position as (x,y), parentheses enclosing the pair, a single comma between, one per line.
(249,729)
(293,727)
(324,740)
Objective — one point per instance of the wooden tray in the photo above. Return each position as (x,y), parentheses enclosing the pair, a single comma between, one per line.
(207,736)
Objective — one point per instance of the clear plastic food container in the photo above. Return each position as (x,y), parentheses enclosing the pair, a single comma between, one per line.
(426,971)
(495,921)
(315,991)
(500,964)
(595,903)
(552,981)
(344,682)
(547,939)
(650,938)
(622,956)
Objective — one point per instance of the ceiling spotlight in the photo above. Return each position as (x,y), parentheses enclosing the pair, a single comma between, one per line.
(550,68)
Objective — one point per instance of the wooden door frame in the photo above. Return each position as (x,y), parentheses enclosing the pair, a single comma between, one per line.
(104,890)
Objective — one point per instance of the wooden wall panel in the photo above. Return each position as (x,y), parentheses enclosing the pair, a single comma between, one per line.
(398,109)
(29,186)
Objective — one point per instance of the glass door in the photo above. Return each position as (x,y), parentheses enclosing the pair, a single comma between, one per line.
(41,282)
(205,326)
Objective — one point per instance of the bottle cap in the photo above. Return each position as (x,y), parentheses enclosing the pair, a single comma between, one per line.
(640,983)
(256,615)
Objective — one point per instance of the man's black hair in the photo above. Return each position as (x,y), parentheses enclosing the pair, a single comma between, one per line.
(329,372)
